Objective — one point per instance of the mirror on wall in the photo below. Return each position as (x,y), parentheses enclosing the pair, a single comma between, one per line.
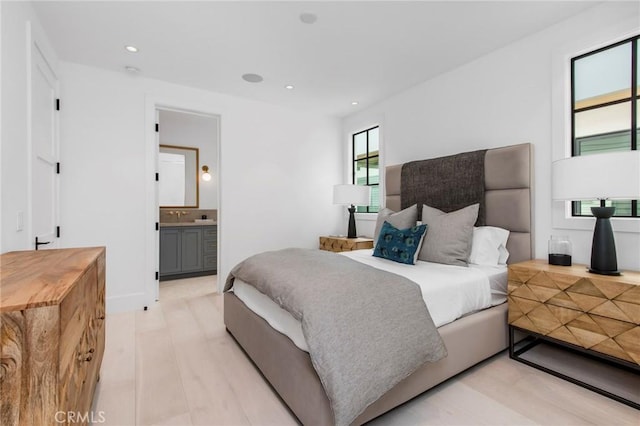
(178,167)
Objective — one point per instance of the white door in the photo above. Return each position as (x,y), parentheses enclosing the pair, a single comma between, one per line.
(44,152)
(156,204)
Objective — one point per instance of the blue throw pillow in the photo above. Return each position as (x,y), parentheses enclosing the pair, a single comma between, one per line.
(400,245)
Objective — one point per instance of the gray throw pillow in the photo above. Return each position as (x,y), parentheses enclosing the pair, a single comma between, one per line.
(403,219)
(449,235)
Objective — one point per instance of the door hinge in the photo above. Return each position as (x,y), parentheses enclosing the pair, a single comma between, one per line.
(157,275)
(57,168)
(157,176)
(157,127)
(57,104)
(157,226)
(57,232)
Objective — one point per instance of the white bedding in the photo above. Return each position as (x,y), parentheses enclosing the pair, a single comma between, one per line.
(449,292)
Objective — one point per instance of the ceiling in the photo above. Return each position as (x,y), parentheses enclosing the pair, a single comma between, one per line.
(362,51)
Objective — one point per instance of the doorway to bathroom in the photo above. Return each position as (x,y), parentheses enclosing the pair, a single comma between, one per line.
(187,200)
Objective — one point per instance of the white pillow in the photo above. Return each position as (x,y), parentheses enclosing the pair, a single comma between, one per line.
(488,246)
(504,255)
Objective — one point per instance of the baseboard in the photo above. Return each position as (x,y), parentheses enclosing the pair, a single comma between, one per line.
(126,303)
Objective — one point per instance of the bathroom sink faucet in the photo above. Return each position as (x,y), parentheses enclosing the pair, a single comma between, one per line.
(178,213)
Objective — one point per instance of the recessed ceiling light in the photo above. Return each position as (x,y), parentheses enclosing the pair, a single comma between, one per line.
(252,78)
(289,86)
(131,69)
(131,49)
(308,18)
(354,103)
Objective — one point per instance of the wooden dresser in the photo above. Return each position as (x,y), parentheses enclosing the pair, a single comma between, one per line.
(52,311)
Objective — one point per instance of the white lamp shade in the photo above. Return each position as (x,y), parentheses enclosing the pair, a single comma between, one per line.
(358,195)
(613,176)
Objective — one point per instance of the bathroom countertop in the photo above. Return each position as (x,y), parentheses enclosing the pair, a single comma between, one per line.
(204,223)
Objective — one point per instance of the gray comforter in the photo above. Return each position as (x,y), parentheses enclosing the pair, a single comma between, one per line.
(366,329)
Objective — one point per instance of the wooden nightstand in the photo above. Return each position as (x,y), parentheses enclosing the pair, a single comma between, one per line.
(338,244)
(595,315)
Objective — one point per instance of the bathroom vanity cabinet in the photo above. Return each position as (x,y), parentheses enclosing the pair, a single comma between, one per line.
(188,250)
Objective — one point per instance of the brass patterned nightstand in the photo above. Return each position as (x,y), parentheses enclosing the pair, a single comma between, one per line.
(598,315)
(338,244)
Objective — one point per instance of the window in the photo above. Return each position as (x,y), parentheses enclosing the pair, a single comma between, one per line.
(606,109)
(366,165)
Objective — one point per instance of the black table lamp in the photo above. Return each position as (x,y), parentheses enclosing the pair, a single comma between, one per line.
(610,176)
(352,195)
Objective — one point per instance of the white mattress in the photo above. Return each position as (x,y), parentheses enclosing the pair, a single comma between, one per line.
(449,292)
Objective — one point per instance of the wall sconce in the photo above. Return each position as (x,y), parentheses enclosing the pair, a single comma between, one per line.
(206,176)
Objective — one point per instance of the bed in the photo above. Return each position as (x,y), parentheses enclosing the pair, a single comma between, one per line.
(469,340)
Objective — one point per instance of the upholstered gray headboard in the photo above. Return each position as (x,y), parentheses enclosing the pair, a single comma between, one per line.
(507,195)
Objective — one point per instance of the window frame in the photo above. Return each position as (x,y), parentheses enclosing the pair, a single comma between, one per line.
(561,55)
(354,163)
(633,99)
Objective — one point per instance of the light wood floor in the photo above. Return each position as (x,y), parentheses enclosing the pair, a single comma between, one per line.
(176,365)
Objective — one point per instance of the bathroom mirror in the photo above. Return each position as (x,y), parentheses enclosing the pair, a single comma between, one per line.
(178,167)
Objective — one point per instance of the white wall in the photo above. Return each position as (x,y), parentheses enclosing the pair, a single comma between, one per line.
(502,98)
(195,131)
(277,168)
(14,122)
(1,149)
(19,24)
